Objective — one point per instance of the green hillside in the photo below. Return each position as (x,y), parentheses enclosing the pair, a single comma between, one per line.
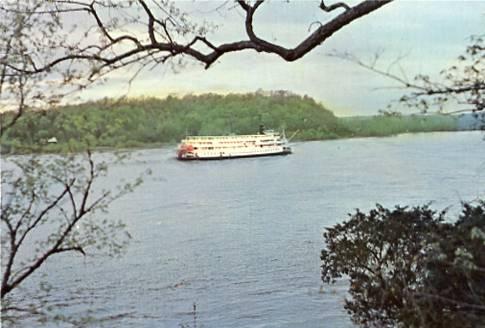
(138,122)
(146,122)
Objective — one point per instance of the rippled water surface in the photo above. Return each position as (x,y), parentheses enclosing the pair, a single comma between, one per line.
(241,238)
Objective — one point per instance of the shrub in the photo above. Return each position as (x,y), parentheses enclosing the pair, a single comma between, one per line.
(408,267)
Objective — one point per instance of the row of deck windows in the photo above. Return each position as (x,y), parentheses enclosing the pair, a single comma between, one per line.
(217,153)
(256,136)
(222,147)
(231,142)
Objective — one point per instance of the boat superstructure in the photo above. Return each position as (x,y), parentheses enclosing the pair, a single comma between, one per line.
(266,143)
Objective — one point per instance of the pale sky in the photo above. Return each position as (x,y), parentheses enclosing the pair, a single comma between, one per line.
(431,34)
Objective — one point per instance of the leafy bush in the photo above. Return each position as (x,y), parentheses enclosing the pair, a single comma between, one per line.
(409,267)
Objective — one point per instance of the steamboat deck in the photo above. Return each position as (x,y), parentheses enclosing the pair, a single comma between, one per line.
(267,143)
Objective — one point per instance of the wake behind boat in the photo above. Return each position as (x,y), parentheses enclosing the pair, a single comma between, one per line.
(266,143)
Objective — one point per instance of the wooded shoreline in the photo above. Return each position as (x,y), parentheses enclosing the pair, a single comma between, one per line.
(152,122)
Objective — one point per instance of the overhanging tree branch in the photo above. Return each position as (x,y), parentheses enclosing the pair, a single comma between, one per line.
(462,84)
(22,219)
(174,48)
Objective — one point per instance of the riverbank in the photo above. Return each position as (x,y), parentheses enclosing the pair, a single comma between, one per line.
(152,122)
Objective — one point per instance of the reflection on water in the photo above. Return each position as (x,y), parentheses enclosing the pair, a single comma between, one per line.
(241,238)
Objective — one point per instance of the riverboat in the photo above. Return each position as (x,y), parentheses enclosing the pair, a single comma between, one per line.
(266,143)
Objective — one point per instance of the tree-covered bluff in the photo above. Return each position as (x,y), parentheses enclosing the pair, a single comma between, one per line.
(152,121)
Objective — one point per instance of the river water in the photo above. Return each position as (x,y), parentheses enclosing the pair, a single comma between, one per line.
(241,239)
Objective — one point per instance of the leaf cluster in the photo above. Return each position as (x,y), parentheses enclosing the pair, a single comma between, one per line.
(409,267)
(53,205)
(152,121)
(145,121)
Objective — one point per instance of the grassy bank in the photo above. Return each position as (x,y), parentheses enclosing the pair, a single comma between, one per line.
(151,121)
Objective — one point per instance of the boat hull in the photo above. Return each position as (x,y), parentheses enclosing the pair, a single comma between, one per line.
(233,156)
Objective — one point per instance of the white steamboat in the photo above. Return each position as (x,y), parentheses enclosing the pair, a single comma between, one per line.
(266,143)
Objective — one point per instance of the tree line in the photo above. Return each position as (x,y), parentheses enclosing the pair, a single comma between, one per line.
(152,121)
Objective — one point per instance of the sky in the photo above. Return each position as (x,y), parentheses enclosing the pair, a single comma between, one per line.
(429,35)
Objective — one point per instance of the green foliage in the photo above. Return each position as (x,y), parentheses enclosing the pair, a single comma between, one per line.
(410,268)
(152,121)
(385,125)
(144,121)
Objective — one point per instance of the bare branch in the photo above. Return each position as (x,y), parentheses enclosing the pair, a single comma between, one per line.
(173,48)
(15,245)
(70,249)
(333,6)
(87,190)
(372,67)
(151,22)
